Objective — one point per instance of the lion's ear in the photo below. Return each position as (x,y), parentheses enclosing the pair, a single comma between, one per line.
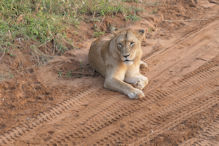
(140,34)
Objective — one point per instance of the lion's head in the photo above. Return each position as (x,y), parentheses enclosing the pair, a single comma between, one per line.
(126,44)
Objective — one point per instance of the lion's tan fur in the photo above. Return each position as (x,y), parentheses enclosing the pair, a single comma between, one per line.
(107,57)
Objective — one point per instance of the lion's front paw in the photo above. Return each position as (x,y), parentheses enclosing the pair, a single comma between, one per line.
(136,94)
(141,83)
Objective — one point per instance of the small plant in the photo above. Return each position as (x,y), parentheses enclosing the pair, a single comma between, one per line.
(60,74)
(4,76)
(154,11)
(156,3)
(132,13)
(98,33)
(131,1)
(150,29)
(12,55)
(132,17)
(69,74)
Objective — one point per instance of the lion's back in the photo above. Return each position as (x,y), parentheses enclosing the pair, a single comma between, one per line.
(95,56)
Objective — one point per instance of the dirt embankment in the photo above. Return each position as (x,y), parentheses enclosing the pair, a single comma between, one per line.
(63,101)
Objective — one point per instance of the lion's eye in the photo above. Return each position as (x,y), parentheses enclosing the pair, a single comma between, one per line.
(119,45)
(132,43)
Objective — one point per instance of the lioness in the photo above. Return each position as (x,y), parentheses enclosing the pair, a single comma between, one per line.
(119,60)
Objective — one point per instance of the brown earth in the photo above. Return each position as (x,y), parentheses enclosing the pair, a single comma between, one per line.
(63,102)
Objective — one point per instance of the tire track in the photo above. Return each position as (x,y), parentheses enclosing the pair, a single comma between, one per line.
(158,95)
(175,60)
(206,103)
(184,38)
(109,116)
(16,132)
(207,136)
(143,124)
(179,103)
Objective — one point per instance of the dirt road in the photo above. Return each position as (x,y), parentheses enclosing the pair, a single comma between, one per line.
(181,106)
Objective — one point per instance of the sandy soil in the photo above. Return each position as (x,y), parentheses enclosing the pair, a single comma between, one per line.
(63,102)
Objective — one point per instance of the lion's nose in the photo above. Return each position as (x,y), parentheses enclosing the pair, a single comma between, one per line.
(126,55)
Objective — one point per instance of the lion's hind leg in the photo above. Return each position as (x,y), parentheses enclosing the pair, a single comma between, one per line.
(143,64)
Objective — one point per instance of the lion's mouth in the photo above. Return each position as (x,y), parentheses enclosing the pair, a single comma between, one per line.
(128,60)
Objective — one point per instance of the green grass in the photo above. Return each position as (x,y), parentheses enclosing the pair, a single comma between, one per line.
(132,17)
(21,19)
(42,20)
(131,1)
(6,76)
(133,14)
(101,7)
(98,34)
(154,11)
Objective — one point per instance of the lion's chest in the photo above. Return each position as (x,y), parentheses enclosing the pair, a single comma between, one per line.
(120,71)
